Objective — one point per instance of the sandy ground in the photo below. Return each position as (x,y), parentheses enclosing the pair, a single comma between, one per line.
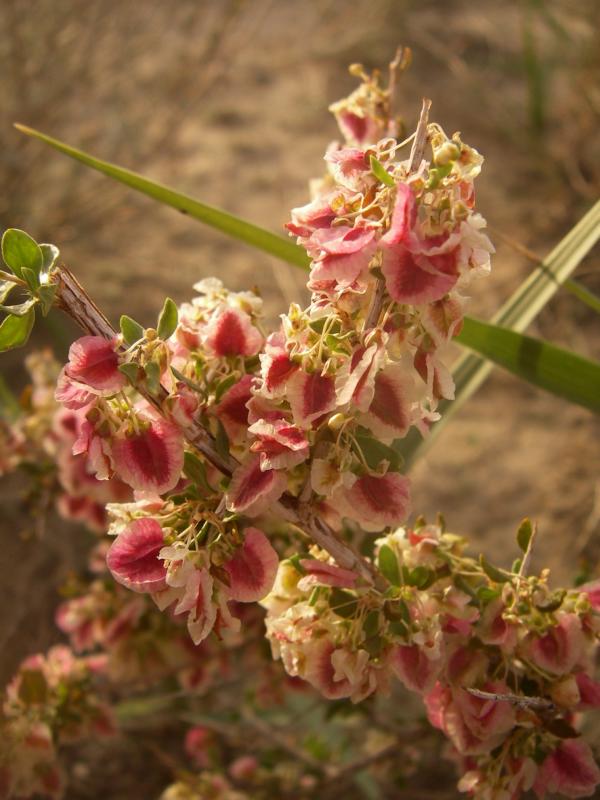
(228,101)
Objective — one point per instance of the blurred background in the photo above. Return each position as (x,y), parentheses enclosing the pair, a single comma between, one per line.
(227,100)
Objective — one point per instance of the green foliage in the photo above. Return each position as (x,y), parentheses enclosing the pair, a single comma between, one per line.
(221,220)
(167,319)
(15,330)
(20,251)
(132,331)
(559,371)
(524,534)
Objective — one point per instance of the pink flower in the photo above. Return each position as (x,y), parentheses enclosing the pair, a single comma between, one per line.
(243,768)
(93,361)
(252,569)
(416,279)
(389,416)
(377,502)
(231,333)
(569,770)
(320,671)
(589,691)
(320,573)
(560,649)
(486,719)
(280,444)
(314,215)
(133,557)
(359,130)
(355,382)
(341,253)
(233,411)
(311,396)
(252,489)
(150,459)
(592,590)
(413,667)
(348,166)
(203,612)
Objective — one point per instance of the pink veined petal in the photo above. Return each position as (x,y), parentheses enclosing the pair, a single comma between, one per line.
(341,240)
(416,671)
(356,380)
(281,445)
(388,417)
(319,672)
(592,590)
(203,614)
(152,459)
(276,368)
(93,361)
(589,691)
(348,164)
(569,770)
(414,279)
(231,333)
(72,394)
(251,490)
(561,648)
(403,216)
(359,130)
(376,502)
(321,574)
(310,396)
(252,569)
(345,270)
(233,411)
(133,557)
(316,214)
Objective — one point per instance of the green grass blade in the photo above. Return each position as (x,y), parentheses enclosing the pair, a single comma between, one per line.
(471,370)
(541,363)
(227,223)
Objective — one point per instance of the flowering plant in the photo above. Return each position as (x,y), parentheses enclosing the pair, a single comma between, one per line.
(231,467)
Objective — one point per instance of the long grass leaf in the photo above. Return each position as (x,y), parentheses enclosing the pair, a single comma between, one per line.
(470,371)
(223,221)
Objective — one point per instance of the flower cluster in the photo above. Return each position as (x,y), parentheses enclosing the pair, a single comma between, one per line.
(502,662)
(49,701)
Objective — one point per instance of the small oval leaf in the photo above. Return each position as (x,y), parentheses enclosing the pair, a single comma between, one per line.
(167,319)
(20,250)
(14,331)
(132,331)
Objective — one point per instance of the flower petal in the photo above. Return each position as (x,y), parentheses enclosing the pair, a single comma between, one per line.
(151,459)
(133,557)
(253,568)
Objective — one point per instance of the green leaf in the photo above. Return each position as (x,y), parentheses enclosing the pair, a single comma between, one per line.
(167,319)
(224,385)
(6,288)
(388,565)
(380,172)
(14,331)
(343,603)
(131,371)
(50,253)
(559,371)
(21,309)
(20,250)
(31,278)
(195,470)
(222,440)
(524,534)
(494,573)
(221,220)
(152,371)
(47,295)
(132,331)
(471,370)
(375,451)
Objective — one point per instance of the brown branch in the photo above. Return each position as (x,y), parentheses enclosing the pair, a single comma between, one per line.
(420,141)
(77,304)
